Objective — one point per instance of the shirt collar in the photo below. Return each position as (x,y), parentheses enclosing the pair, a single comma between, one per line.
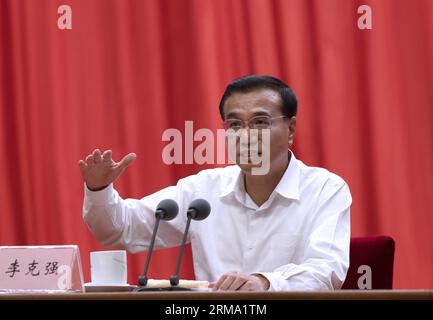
(288,186)
(235,184)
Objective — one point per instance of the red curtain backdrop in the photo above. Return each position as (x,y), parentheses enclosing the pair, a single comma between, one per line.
(128,70)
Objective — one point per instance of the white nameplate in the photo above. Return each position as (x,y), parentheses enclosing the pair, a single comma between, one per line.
(40,268)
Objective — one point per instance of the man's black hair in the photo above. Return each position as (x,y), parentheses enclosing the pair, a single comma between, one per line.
(253,82)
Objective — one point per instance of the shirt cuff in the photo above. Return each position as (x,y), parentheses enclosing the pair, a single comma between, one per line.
(275,280)
(103,197)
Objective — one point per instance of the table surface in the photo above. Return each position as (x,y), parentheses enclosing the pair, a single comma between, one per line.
(333,295)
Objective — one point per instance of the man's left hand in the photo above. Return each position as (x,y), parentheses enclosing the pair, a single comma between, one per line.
(238,281)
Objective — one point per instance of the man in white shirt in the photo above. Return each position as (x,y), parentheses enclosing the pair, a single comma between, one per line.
(288,229)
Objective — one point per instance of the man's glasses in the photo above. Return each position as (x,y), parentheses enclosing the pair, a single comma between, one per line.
(258,122)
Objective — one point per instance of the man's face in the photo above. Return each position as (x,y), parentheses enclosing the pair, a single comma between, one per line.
(261,102)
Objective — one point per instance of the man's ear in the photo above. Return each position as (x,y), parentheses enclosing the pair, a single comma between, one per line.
(292,129)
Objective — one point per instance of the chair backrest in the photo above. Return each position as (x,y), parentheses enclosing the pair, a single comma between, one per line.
(377,253)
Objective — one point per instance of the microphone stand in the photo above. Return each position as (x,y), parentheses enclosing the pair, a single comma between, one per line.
(199,209)
(174,279)
(167,210)
(142,280)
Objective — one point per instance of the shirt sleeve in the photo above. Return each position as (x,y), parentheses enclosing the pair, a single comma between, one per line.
(128,223)
(326,255)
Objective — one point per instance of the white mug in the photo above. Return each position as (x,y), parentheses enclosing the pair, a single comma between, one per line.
(108,267)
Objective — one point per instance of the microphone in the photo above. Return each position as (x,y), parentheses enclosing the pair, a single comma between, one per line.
(166,210)
(199,209)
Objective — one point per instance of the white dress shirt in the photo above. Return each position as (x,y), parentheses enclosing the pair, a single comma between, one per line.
(298,239)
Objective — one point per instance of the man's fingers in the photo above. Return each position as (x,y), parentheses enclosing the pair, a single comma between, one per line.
(82,165)
(106,157)
(237,283)
(97,158)
(223,278)
(89,160)
(227,283)
(127,160)
(245,287)
(219,282)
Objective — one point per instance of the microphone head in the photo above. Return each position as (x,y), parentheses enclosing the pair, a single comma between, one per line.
(167,209)
(199,209)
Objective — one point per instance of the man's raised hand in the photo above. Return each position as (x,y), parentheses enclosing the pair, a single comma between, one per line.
(99,170)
